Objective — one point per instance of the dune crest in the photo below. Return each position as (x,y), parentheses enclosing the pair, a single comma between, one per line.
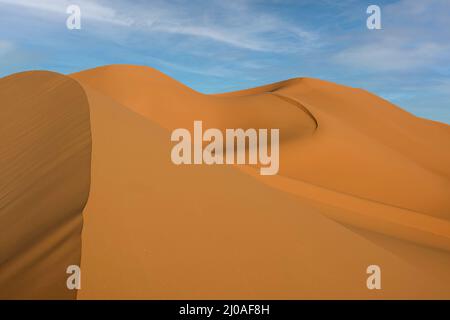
(335,137)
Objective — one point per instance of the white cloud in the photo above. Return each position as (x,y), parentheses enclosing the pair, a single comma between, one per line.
(237,24)
(387,55)
(5,47)
(215,71)
(90,9)
(415,35)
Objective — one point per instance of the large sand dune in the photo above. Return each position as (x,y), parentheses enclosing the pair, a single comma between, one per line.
(361,182)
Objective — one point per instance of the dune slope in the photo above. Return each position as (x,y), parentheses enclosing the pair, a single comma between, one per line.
(44,183)
(361,182)
(336,138)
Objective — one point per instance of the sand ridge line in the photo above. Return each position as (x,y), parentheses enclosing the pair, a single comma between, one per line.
(364,213)
(297,104)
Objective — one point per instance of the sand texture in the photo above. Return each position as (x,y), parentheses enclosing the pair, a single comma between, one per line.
(45,160)
(361,182)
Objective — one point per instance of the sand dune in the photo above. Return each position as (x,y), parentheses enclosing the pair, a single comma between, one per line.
(359,178)
(361,182)
(363,146)
(44,182)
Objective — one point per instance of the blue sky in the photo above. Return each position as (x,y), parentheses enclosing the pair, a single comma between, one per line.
(215,46)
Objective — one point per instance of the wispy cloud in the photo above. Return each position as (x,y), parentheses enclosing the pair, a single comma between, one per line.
(215,71)
(393,55)
(237,24)
(90,9)
(218,45)
(5,47)
(411,39)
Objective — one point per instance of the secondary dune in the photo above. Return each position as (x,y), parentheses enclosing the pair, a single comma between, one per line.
(44,183)
(361,182)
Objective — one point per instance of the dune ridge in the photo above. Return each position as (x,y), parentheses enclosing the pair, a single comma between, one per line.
(380,166)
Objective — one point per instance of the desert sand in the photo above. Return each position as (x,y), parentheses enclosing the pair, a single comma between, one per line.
(45,153)
(361,182)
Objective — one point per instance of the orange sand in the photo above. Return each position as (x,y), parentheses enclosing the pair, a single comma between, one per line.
(45,154)
(369,185)
(361,182)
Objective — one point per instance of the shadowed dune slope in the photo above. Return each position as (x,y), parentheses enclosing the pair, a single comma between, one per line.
(361,182)
(44,182)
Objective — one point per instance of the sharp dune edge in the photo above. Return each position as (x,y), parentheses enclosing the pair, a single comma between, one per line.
(361,182)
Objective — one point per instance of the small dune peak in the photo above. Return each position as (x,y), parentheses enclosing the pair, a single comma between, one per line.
(129,75)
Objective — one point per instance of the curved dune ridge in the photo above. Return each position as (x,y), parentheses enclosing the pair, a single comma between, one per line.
(404,166)
(361,182)
(44,182)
